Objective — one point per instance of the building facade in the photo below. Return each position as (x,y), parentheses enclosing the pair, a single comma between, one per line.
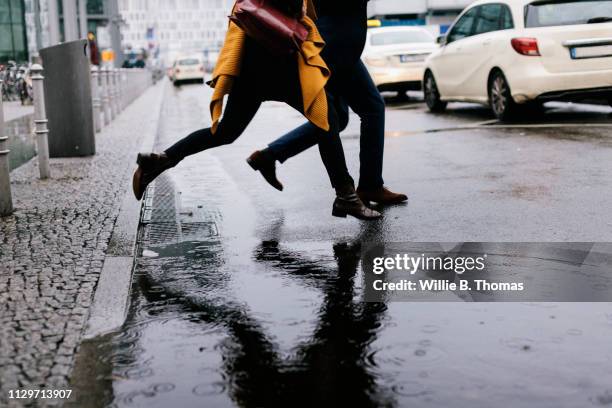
(175,27)
(13,39)
(37,22)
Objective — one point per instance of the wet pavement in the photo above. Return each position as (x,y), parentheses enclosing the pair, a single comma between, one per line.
(244,296)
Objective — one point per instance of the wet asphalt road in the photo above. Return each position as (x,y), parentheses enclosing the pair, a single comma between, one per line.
(256,298)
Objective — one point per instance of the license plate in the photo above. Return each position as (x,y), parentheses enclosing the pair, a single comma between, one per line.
(413,57)
(599,51)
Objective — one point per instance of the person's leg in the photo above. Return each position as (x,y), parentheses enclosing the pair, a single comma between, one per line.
(305,136)
(331,150)
(332,154)
(347,201)
(364,99)
(297,141)
(239,112)
(294,142)
(287,88)
(242,105)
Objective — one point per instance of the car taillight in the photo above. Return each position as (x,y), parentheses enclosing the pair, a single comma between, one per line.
(526,46)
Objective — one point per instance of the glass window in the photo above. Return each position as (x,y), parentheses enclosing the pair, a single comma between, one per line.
(5,13)
(401,37)
(489,18)
(548,13)
(16,10)
(464,26)
(95,7)
(18,38)
(13,44)
(6,38)
(188,61)
(507,20)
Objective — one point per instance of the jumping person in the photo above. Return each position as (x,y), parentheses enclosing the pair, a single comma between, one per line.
(250,74)
(343,26)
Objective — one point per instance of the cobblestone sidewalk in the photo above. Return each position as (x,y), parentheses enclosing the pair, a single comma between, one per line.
(53,248)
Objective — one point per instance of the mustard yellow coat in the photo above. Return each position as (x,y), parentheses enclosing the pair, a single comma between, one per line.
(313,71)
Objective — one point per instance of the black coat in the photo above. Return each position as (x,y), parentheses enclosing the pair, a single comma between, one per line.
(343,26)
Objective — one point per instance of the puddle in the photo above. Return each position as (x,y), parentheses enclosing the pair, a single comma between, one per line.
(228,313)
(21,141)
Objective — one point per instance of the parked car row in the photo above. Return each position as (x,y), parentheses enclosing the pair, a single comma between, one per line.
(509,54)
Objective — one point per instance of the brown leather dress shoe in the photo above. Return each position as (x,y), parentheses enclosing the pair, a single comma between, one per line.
(264,163)
(348,203)
(382,196)
(150,165)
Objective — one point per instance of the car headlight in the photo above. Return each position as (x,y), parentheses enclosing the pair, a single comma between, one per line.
(376,61)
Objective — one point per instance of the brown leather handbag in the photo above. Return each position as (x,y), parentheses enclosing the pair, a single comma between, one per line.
(266,24)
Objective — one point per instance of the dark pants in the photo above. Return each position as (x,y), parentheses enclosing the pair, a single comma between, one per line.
(359,92)
(249,91)
(351,86)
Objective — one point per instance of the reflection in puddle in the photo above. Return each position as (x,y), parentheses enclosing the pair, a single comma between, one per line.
(21,141)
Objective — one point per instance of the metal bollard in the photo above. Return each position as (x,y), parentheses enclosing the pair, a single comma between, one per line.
(111,93)
(105,96)
(128,86)
(95,96)
(116,91)
(6,198)
(40,120)
(119,90)
(122,88)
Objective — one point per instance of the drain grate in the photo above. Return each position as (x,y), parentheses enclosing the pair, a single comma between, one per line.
(196,230)
(160,219)
(162,233)
(160,203)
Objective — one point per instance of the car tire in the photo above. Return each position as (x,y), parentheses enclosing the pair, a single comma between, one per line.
(432,94)
(500,97)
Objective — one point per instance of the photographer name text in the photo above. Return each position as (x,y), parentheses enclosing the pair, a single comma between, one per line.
(436,264)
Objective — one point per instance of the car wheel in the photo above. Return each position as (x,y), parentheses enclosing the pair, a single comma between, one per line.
(500,97)
(432,95)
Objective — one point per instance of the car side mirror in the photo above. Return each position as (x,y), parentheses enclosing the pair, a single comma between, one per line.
(442,40)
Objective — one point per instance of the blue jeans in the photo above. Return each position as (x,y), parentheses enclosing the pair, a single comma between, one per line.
(351,87)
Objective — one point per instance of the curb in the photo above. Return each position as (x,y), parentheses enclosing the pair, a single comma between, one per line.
(111,298)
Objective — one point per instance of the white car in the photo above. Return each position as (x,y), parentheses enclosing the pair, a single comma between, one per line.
(507,53)
(395,57)
(187,69)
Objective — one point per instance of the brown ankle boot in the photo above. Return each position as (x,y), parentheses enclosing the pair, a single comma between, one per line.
(382,196)
(263,162)
(150,165)
(348,203)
